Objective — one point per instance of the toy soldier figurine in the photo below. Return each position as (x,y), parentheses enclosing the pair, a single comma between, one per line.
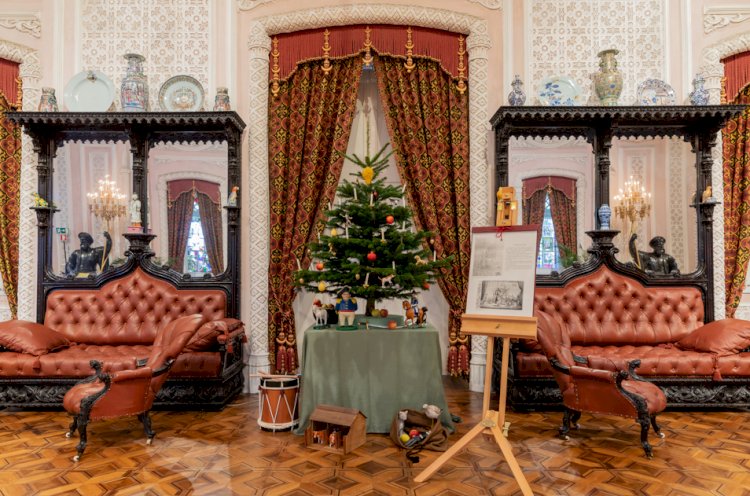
(346,308)
(656,262)
(85,260)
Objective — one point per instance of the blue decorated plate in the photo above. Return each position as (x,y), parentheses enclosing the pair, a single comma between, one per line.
(654,92)
(558,91)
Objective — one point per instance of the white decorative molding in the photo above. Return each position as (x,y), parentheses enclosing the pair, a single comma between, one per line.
(173,36)
(259,43)
(545,143)
(717,180)
(717,17)
(677,204)
(490,4)
(22,21)
(250,4)
(30,74)
(564,38)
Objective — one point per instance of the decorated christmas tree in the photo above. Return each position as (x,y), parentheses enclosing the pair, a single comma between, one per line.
(369,245)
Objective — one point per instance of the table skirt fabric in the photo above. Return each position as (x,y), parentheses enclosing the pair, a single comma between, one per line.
(377,371)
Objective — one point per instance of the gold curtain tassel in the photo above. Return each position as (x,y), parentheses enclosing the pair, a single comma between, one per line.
(367,58)
(409,64)
(326,50)
(461,85)
(275,68)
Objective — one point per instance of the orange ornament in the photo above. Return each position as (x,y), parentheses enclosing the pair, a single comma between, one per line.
(372,256)
(392,324)
(426,285)
(319,265)
(389,219)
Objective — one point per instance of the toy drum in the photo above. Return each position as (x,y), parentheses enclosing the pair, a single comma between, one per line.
(278,403)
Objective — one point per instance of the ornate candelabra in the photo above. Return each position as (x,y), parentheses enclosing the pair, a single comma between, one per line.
(107,202)
(633,204)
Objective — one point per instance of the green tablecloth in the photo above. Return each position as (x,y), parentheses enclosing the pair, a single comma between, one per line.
(376,371)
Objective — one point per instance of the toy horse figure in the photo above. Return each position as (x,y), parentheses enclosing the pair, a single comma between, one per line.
(320,314)
(387,280)
(413,315)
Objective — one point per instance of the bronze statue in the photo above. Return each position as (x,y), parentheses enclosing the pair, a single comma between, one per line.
(85,260)
(655,262)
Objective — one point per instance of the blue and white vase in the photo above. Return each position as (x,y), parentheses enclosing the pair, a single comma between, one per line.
(605,213)
(134,87)
(517,97)
(699,95)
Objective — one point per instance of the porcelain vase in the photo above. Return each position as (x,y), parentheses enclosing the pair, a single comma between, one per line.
(517,97)
(221,102)
(134,87)
(48,100)
(699,95)
(605,213)
(608,81)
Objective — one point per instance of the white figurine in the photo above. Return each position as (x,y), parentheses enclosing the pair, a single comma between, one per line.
(232,200)
(135,211)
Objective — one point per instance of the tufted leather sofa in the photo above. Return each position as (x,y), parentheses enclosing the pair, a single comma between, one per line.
(116,325)
(614,318)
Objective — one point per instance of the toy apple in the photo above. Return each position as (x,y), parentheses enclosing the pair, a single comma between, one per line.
(372,256)
(389,219)
(322,287)
(392,324)
(319,266)
(404,437)
(384,313)
(375,312)
(413,433)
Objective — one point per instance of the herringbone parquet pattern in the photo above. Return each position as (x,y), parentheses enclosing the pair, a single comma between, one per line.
(218,453)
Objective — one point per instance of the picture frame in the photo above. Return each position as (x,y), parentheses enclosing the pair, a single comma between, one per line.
(502,272)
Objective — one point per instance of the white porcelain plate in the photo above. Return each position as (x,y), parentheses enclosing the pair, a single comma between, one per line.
(89,91)
(181,94)
(654,92)
(559,90)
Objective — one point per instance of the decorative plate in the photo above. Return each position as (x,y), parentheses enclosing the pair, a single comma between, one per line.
(89,91)
(654,92)
(559,90)
(181,94)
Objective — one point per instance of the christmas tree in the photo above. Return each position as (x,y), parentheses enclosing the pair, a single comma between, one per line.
(368,245)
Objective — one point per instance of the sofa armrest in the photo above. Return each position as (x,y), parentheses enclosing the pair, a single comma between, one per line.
(131,374)
(227,341)
(598,375)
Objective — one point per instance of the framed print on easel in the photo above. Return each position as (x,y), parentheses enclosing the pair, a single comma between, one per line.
(503,271)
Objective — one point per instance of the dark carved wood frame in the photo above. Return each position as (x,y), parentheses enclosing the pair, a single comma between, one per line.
(697,125)
(143,130)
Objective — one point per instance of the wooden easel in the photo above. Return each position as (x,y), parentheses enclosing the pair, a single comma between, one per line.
(507,328)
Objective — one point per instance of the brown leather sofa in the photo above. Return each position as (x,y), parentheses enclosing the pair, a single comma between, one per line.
(612,318)
(116,325)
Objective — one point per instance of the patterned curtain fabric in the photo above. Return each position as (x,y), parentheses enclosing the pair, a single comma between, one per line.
(533,210)
(309,123)
(736,155)
(428,122)
(212,231)
(179,216)
(10,203)
(563,210)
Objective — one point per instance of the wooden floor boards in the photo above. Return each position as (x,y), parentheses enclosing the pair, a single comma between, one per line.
(217,453)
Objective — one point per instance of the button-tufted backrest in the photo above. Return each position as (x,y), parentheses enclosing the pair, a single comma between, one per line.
(606,308)
(128,310)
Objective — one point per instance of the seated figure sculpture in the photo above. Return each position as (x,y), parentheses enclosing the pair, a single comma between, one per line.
(87,259)
(655,262)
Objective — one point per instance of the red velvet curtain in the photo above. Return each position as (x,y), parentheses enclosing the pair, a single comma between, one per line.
(563,210)
(428,122)
(736,74)
(179,216)
(309,122)
(211,225)
(10,183)
(736,157)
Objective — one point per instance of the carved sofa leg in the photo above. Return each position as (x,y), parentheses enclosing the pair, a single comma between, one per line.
(83,423)
(146,421)
(73,427)
(645,421)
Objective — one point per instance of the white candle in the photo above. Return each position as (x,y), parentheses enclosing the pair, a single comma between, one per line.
(299,265)
(394,265)
(434,255)
(355,193)
(403,188)
(318,237)
(403,201)
(372,199)
(367,278)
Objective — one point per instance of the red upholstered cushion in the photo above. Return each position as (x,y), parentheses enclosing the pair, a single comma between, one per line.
(723,337)
(22,336)
(205,339)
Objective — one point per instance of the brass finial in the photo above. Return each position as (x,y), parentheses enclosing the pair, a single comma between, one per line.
(275,68)
(409,65)
(326,50)
(461,86)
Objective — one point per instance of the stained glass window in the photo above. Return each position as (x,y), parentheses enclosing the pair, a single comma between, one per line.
(548,258)
(196,257)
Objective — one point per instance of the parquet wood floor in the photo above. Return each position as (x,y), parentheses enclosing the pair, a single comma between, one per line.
(218,453)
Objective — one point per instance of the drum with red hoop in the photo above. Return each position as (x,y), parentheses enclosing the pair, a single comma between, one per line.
(278,401)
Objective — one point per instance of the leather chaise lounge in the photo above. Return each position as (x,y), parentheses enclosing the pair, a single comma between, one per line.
(116,325)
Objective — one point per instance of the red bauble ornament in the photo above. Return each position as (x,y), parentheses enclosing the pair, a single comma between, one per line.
(375,194)
(389,219)
(319,266)
(384,313)
(426,285)
(372,256)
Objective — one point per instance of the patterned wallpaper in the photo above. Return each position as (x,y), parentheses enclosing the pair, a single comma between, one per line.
(173,36)
(566,35)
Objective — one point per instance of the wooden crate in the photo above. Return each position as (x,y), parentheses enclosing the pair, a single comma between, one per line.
(336,429)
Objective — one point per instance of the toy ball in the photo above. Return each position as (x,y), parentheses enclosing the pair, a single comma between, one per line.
(372,256)
(375,312)
(389,219)
(392,324)
(404,437)
(319,266)
(413,433)
(334,232)
(322,287)
(384,313)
